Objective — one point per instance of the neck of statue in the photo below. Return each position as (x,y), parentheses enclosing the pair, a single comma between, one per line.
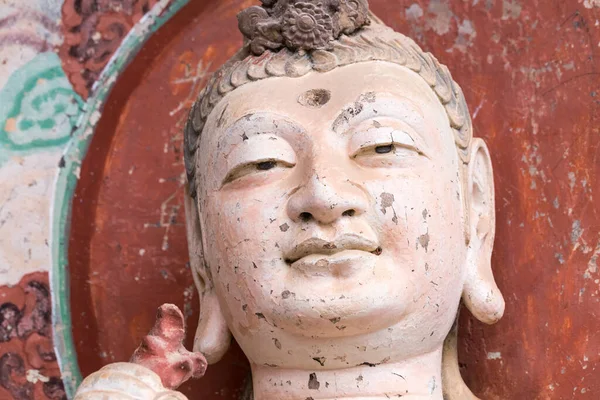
(418,378)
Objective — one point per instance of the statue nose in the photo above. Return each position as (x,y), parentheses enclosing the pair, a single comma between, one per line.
(325,200)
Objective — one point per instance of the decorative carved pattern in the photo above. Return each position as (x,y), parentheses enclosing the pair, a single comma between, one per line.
(307,26)
(163,352)
(93,30)
(301,24)
(28,368)
(158,367)
(375,42)
(125,381)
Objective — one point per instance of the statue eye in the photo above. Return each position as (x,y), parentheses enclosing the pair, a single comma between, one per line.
(260,156)
(384,149)
(255,167)
(386,143)
(266,165)
(381,152)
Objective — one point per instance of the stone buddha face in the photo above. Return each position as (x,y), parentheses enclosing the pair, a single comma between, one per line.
(339,209)
(332,213)
(335,225)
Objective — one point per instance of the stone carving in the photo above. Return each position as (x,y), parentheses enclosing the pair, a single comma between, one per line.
(161,363)
(125,381)
(374,43)
(307,26)
(162,350)
(300,25)
(339,210)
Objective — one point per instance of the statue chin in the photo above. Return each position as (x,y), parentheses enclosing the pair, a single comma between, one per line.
(345,324)
(328,296)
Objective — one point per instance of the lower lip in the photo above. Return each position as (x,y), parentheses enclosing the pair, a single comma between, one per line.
(344,264)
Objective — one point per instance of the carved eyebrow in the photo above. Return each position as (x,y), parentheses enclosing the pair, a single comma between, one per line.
(255,124)
(350,113)
(266,122)
(369,105)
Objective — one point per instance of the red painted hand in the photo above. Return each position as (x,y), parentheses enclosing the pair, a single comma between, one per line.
(163,352)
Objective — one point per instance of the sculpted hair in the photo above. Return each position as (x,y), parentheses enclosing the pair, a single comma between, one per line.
(371,43)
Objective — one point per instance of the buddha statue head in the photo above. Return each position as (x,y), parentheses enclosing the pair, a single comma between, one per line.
(339,208)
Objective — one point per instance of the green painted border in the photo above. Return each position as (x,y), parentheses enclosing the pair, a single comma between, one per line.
(66,181)
(24,98)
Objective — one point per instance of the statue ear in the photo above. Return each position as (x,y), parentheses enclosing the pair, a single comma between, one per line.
(481,294)
(212,335)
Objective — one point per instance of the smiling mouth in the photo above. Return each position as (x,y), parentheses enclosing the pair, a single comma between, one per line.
(316,247)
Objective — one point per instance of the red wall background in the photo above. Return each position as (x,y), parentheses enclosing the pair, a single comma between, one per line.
(529,71)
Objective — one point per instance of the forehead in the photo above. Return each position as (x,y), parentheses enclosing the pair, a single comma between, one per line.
(344,86)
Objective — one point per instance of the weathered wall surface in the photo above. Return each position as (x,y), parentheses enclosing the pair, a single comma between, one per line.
(39,110)
(31,133)
(529,72)
(37,106)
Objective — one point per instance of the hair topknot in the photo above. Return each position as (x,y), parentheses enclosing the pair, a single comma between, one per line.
(372,43)
(300,24)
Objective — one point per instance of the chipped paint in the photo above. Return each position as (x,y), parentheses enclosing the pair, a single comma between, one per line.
(441,17)
(34,376)
(465,38)
(576,231)
(592,266)
(414,12)
(511,9)
(432,385)
(170,210)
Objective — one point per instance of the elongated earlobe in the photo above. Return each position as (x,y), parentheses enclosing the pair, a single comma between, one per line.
(213,337)
(481,294)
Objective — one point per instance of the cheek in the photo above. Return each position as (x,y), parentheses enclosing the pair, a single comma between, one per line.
(417,199)
(419,221)
(243,233)
(239,217)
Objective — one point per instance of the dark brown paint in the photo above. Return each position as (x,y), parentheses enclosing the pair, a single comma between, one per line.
(26,341)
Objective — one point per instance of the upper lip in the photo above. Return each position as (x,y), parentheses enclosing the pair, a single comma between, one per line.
(341,243)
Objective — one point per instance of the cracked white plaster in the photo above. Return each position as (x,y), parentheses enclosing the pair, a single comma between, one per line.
(25,205)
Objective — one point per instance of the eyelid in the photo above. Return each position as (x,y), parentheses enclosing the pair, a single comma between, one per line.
(257,149)
(233,174)
(382,136)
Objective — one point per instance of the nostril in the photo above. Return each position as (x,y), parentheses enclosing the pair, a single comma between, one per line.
(305,216)
(349,213)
